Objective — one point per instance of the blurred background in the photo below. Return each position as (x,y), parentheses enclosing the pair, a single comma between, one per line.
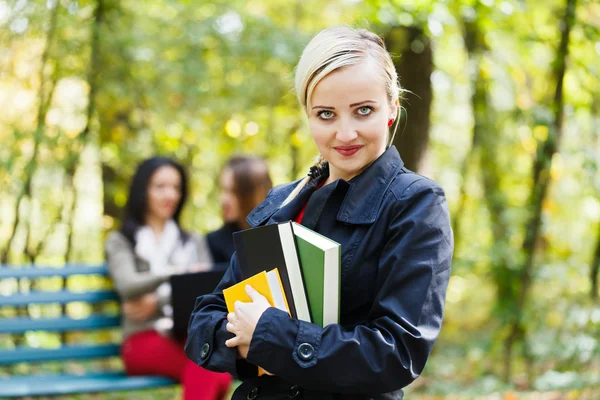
(503,110)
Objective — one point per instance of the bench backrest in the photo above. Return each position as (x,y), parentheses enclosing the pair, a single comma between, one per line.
(22,324)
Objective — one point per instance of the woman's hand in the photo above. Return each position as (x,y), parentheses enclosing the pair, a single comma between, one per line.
(243,320)
(142,308)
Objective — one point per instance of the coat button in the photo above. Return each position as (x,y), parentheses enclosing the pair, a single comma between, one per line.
(294,392)
(204,351)
(306,352)
(253,394)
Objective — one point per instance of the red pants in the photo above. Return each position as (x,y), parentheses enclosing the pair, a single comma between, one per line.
(149,353)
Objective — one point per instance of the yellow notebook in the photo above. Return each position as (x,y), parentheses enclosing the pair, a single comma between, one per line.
(266,283)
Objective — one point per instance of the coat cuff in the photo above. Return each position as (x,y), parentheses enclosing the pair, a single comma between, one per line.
(308,342)
(211,350)
(277,337)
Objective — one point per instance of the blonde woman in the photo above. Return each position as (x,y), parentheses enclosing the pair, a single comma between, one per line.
(396,246)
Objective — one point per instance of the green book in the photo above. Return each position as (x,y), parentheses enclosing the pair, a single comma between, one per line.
(320,260)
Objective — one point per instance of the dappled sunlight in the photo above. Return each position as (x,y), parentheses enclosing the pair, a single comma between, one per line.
(200,81)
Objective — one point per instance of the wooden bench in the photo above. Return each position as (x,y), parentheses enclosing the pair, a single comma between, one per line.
(39,381)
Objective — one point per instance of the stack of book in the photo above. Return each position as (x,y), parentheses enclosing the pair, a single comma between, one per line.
(295,268)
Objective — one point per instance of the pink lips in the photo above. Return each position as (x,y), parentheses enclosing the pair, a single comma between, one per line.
(348,150)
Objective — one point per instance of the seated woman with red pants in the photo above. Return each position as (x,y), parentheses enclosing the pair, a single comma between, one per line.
(141,256)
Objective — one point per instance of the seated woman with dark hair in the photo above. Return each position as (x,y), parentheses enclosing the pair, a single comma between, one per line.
(141,256)
(244,183)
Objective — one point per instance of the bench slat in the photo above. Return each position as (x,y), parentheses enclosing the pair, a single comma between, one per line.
(47,385)
(61,297)
(74,352)
(45,271)
(23,324)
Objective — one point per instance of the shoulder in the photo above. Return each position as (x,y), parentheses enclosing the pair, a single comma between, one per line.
(276,196)
(271,203)
(408,185)
(199,240)
(116,238)
(116,242)
(202,247)
(196,237)
(418,203)
(282,190)
(218,234)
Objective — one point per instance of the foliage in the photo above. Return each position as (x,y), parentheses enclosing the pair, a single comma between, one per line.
(200,81)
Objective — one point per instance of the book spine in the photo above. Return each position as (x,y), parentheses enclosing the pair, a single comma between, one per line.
(288,243)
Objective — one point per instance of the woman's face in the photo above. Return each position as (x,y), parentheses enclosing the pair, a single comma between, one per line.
(164,192)
(348,118)
(230,204)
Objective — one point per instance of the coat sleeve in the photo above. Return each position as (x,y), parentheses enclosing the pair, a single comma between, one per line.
(390,349)
(205,344)
(129,283)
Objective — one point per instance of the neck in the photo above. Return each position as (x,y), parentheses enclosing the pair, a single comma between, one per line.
(156,224)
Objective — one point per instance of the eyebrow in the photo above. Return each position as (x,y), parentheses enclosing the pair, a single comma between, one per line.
(351,105)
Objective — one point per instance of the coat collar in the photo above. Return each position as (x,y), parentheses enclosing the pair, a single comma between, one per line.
(363,198)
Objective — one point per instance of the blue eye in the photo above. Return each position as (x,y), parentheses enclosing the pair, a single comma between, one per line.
(325,114)
(364,111)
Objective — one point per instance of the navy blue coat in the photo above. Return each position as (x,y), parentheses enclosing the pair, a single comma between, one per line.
(397,246)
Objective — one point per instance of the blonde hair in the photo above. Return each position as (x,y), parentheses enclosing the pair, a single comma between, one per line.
(335,48)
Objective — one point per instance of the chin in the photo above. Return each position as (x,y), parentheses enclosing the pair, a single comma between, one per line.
(351,169)
(228,219)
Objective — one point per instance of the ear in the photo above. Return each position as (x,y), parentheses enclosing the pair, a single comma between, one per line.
(394,109)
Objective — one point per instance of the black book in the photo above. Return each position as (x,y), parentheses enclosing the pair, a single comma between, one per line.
(185,289)
(273,246)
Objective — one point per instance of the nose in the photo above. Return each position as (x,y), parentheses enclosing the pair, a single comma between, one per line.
(223,198)
(346,131)
(171,193)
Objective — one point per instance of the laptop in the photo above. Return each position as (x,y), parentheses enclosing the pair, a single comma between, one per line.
(185,289)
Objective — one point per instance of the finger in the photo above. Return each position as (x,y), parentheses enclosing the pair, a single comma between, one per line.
(254,295)
(239,313)
(233,342)
(230,327)
(231,317)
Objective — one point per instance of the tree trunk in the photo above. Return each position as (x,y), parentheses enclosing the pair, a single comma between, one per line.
(595,268)
(414,66)
(485,141)
(476,48)
(92,80)
(462,197)
(541,178)
(595,264)
(44,102)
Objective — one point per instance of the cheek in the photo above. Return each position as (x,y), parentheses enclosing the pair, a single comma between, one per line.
(233,201)
(319,133)
(375,130)
(153,199)
(177,196)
